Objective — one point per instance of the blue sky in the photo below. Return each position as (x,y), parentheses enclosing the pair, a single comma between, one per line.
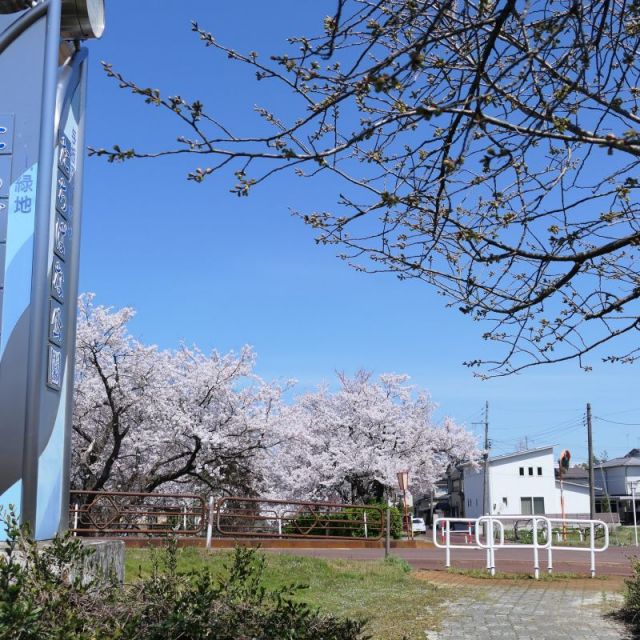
(203,266)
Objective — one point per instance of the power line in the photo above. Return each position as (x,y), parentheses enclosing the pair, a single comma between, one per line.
(627,424)
(557,425)
(541,434)
(615,413)
(560,428)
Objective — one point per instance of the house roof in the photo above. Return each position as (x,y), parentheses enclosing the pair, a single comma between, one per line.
(577,475)
(515,454)
(523,453)
(631,459)
(582,485)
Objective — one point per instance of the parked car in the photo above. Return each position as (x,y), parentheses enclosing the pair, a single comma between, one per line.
(418,525)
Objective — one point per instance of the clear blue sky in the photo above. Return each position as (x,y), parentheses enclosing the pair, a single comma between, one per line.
(203,266)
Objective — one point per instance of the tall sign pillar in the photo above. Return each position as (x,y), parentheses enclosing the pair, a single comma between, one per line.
(43,71)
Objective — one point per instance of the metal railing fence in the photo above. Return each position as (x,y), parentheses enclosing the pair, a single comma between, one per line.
(109,513)
(130,513)
(489,536)
(259,517)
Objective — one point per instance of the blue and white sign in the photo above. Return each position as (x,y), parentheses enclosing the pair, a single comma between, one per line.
(41,137)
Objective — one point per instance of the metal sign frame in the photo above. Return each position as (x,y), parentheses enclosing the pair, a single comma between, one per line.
(45,103)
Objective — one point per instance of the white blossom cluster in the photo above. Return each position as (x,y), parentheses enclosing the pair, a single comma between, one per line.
(147,419)
(350,444)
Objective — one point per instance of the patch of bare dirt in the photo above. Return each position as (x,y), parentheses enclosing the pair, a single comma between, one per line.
(604,583)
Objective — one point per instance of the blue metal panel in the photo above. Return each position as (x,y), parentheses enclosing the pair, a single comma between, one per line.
(41,138)
(55,418)
(22,71)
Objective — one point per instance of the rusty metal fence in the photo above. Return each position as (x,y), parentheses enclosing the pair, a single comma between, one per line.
(257,517)
(129,513)
(99,513)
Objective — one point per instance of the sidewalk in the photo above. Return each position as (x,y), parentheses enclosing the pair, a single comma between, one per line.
(531,611)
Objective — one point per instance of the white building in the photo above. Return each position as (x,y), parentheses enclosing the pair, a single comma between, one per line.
(521,483)
(617,478)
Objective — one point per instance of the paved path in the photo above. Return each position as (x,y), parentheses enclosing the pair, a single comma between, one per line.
(503,609)
(531,611)
(615,561)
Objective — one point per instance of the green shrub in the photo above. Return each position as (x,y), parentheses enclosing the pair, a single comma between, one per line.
(44,595)
(345,523)
(401,563)
(234,606)
(631,607)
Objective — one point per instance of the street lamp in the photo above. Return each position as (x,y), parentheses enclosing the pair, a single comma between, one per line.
(13,6)
(635,517)
(82,19)
(563,467)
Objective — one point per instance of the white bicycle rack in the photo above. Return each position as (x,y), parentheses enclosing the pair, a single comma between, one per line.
(492,528)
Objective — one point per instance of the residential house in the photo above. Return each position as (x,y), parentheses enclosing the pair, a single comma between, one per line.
(520,483)
(616,480)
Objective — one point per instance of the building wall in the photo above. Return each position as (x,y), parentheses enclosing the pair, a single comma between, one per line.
(633,475)
(509,487)
(456,494)
(616,481)
(576,499)
(613,481)
(473,491)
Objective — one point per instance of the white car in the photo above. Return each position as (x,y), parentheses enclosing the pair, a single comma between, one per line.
(418,525)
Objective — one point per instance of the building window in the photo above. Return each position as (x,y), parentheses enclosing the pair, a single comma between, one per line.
(532,506)
(521,471)
(539,471)
(505,502)
(530,471)
(538,506)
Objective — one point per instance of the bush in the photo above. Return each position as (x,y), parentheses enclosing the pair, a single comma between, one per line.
(344,523)
(631,608)
(401,563)
(44,595)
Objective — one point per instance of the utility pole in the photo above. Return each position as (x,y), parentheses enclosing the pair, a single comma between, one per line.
(486,488)
(592,493)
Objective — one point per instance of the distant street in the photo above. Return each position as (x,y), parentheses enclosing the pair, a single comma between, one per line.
(615,561)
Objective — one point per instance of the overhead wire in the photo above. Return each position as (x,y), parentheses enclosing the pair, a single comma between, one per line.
(627,424)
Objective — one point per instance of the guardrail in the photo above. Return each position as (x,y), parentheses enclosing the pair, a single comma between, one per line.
(129,513)
(591,549)
(490,537)
(109,513)
(262,518)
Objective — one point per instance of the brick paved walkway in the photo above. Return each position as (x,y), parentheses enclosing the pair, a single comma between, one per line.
(531,612)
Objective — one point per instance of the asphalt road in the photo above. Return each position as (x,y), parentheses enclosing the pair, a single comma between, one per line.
(614,561)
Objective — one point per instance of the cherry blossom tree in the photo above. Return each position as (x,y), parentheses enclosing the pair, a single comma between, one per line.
(146,419)
(489,149)
(350,444)
(182,420)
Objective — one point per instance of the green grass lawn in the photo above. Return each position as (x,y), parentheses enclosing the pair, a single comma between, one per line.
(386,593)
(622,536)
(618,537)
